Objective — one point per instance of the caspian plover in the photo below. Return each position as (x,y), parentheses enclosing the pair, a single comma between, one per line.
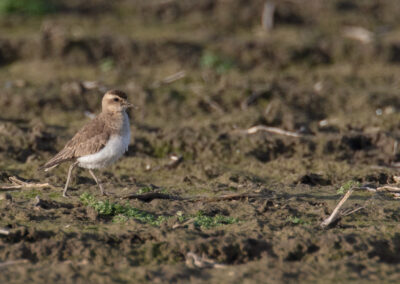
(100,142)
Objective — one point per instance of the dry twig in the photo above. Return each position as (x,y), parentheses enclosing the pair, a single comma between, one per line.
(13,262)
(212,104)
(393,190)
(396,179)
(226,197)
(358,33)
(193,259)
(146,197)
(335,214)
(174,77)
(169,79)
(5,232)
(349,212)
(388,188)
(267,19)
(251,99)
(274,130)
(394,165)
(17,184)
(181,225)
(175,160)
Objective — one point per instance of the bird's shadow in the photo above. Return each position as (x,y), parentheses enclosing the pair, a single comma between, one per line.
(84,180)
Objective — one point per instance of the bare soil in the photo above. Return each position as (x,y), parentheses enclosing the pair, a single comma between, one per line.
(304,76)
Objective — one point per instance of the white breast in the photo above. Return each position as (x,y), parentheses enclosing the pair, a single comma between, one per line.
(112,151)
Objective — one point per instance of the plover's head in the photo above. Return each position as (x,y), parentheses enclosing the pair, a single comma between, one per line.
(115,101)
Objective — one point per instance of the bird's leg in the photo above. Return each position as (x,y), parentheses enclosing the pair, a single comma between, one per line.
(98,183)
(71,167)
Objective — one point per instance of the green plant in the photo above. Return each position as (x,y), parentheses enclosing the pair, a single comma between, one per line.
(145,190)
(295,220)
(204,221)
(148,189)
(107,208)
(214,61)
(161,150)
(121,213)
(120,219)
(345,187)
(27,7)
(107,64)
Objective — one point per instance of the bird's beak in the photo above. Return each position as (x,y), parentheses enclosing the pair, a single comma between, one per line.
(129,105)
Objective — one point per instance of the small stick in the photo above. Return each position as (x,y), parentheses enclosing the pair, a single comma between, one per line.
(225,197)
(17,183)
(170,79)
(267,18)
(157,195)
(7,187)
(396,179)
(388,188)
(4,232)
(201,262)
(90,85)
(175,160)
(396,195)
(174,77)
(214,105)
(150,196)
(274,130)
(358,33)
(268,109)
(335,212)
(180,225)
(12,262)
(251,99)
(367,188)
(353,211)
(394,165)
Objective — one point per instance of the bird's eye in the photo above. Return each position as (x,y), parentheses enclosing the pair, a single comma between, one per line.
(116,100)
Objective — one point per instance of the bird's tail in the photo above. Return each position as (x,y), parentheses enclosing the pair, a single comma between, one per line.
(61,157)
(47,168)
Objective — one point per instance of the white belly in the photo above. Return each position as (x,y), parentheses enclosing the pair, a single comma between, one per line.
(112,151)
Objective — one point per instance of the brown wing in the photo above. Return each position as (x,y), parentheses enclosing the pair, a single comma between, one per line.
(89,140)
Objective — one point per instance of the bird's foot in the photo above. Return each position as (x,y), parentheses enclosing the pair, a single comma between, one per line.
(105,193)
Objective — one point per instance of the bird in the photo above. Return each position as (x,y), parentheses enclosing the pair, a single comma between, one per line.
(100,142)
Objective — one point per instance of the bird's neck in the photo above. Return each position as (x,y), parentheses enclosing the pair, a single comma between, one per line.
(115,119)
(114,114)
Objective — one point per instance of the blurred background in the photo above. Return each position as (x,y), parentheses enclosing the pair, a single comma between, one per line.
(199,70)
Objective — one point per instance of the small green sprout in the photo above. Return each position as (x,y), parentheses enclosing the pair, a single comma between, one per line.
(107,64)
(106,208)
(28,7)
(145,189)
(295,220)
(204,221)
(345,187)
(214,61)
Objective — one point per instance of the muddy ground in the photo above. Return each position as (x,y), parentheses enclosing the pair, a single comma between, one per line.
(307,75)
